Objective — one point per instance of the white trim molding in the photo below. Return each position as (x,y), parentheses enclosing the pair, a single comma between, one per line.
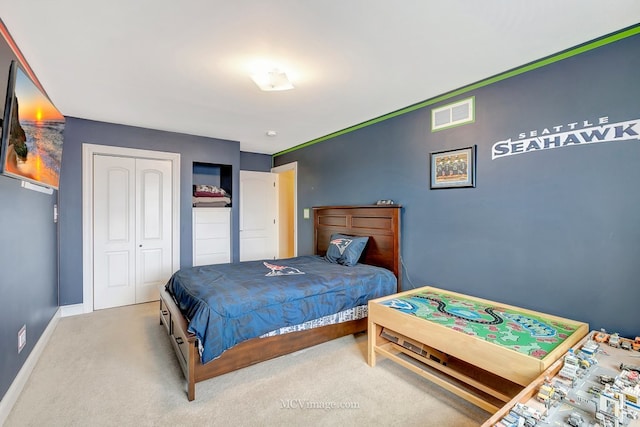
(88,151)
(13,393)
(293,166)
(71,310)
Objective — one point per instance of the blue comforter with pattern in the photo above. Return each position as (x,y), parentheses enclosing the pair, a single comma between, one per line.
(226,304)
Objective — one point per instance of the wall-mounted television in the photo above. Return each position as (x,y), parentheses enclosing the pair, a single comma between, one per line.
(31,132)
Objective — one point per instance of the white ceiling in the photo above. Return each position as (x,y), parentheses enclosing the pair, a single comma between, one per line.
(184,66)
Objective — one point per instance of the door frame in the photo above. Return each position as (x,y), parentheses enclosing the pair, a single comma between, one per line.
(88,151)
(276,215)
(294,167)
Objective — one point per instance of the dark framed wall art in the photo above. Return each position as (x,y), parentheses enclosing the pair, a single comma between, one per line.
(453,168)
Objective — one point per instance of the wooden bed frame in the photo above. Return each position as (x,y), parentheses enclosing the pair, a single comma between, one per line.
(380,223)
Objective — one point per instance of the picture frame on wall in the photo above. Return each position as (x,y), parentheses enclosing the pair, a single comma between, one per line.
(453,168)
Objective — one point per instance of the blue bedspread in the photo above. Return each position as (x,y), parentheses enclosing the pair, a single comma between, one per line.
(226,304)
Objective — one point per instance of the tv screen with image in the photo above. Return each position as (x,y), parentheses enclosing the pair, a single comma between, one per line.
(31,132)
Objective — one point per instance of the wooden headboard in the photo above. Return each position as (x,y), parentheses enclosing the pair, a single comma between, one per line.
(381,223)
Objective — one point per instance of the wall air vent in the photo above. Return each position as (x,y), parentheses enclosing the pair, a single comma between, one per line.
(451,115)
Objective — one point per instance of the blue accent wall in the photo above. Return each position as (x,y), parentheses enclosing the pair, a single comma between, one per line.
(28,261)
(191,148)
(255,162)
(554,231)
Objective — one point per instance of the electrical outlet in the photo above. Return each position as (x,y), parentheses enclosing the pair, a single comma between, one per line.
(22,338)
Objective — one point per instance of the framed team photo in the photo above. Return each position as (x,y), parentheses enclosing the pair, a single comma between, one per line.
(453,168)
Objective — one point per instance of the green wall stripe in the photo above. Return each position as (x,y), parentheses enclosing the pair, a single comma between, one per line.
(577,50)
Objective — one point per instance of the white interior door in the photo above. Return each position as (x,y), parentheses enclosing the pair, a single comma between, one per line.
(114,232)
(258,215)
(132,207)
(153,227)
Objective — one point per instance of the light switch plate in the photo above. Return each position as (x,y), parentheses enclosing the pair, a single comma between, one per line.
(305,213)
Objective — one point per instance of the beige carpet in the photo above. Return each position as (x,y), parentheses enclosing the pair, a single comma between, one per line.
(116,368)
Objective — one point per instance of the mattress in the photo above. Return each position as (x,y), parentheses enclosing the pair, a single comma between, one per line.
(227,304)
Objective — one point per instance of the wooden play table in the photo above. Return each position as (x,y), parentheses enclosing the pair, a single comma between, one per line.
(483,351)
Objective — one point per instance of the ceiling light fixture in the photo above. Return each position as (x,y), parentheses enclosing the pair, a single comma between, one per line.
(271,133)
(272,80)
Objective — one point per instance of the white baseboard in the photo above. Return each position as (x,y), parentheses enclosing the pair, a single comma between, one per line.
(71,310)
(11,397)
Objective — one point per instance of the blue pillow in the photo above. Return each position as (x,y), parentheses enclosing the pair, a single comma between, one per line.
(345,250)
(335,249)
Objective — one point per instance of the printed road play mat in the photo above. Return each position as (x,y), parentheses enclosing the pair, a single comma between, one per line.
(525,333)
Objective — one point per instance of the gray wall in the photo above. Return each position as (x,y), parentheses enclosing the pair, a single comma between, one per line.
(191,148)
(255,162)
(28,261)
(554,231)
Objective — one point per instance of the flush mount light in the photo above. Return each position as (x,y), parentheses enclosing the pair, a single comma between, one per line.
(271,133)
(272,80)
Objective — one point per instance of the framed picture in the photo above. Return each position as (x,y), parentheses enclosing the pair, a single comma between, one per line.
(453,168)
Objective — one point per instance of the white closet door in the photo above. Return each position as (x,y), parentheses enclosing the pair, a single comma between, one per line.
(114,231)
(258,215)
(132,229)
(153,227)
